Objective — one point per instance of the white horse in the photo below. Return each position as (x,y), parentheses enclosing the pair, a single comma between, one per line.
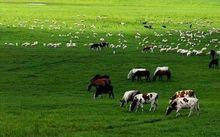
(165,68)
(134,70)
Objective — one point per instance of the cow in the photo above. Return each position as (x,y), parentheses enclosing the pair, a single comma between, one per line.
(146,98)
(182,93)
(128,97)
(183,103)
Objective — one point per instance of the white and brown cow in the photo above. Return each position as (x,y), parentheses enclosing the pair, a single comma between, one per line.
(128,97)
(141,99)
(182,93)
(183,103)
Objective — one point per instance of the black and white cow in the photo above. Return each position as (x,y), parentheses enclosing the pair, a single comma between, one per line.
(128,97)
(146,98)
(183,103)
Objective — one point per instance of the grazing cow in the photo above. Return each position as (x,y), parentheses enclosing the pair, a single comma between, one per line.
(161,71)
(212,54)
(138,74)
(164,26)
(132,71)
(182,93)
(128,96)
(99,45)
(140,99)
(213,63)
(104,90)
(99,80)
(183,103)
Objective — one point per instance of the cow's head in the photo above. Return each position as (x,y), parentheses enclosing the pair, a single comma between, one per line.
(171,107)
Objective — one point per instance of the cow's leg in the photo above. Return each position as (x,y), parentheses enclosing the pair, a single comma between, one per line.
(154,106)
(191,111)
(177,112)
(142,107)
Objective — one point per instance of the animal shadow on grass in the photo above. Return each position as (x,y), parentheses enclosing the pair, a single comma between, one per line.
(134,123)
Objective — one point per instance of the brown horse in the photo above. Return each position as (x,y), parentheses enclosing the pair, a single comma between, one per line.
(139,74)
(161,73)
(99,80)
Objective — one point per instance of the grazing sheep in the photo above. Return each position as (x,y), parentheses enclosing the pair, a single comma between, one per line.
(183,103)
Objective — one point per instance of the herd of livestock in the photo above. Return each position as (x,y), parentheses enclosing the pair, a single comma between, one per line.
(183,99)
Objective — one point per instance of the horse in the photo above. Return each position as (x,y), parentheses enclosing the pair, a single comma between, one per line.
(104,90)
(161,71)
(132,71)
(213,63)
(212,54)
(138,74)
(99,80)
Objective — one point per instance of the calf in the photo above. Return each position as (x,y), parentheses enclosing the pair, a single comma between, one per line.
(182,93)
(183,103)
(140,99)
(128,96)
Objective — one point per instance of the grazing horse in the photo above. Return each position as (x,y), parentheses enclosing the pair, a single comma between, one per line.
(213,63)
(138,74)
(99,45)
(212,54)
(128,96)
(132,71)
(161,71)
(99,80)
(104,90)
(182,93)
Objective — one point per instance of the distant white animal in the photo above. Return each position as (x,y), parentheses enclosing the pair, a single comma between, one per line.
(184,103)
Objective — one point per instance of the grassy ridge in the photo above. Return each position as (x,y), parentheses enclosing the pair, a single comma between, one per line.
(43,90)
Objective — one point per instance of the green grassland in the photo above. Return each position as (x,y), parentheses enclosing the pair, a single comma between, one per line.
(43,91)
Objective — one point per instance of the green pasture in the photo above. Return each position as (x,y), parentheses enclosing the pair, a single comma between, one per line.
(43,91)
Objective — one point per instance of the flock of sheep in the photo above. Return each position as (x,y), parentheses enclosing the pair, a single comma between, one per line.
(182,42)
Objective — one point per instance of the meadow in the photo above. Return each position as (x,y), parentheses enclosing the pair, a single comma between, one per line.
(43,84)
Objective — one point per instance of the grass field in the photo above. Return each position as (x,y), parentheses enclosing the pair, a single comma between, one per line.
(43,91)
